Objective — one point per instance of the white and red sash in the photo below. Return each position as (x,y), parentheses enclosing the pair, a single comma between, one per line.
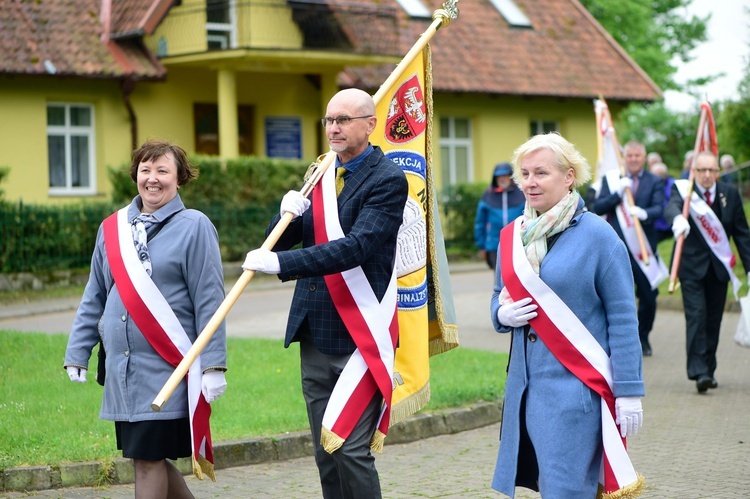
(373,325)
(161,328)
(712,231)
(575,347)
(655,271)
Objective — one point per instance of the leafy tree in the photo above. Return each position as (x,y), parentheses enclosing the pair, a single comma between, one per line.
(733,122)
(661,130)
(653,33)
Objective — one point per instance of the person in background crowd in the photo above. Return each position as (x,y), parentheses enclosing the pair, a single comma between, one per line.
(324,317)
(652,159)
(565,261)
(500,204)
(707,260)
(648,195)
(663,228)
(726,163)
(156,280)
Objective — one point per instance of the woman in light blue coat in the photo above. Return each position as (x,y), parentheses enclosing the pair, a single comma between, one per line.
(551,437)
(179,249)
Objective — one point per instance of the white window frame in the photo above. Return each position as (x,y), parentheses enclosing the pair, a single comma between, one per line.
(537,126)
(230,28)
(512,13)
(415,9)
(67,131)
(452,142)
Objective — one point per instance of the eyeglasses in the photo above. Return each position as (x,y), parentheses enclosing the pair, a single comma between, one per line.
(706,170)
(341,120)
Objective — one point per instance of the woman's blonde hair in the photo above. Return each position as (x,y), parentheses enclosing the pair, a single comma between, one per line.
(565,153)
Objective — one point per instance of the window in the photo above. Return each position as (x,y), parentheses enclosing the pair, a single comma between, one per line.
(206,124)
(540,127)
(456,155)
(510,11)
(415,8)
(221,25)
(70,145)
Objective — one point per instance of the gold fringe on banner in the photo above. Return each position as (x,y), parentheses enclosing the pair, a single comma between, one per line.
(410,405)
(330,441)
(443,336)
(377,441)
(202,466)
(630,491)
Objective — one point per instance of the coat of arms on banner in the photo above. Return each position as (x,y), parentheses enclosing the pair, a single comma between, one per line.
(407,116)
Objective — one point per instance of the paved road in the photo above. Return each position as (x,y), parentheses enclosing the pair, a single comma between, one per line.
(692,446)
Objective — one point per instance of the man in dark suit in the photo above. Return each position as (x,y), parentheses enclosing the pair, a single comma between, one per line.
(370,212)
(648,195)
(703,275)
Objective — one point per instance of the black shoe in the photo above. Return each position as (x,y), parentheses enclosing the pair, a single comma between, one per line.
(703,383)
(714,383)
(646,349)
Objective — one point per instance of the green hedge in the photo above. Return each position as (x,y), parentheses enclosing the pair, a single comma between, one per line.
(239,196)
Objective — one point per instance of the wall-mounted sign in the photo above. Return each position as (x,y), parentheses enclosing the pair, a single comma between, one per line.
(283,137)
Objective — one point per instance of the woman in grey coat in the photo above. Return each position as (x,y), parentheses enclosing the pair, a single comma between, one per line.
(168,263)
(564,290)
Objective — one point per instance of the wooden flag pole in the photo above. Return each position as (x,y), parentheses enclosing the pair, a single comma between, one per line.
(628,193)
(441,18)
(686,206)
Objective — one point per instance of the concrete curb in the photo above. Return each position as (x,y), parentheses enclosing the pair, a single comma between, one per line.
(247,451)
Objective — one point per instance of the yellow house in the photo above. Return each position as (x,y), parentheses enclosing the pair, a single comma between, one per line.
(83,83)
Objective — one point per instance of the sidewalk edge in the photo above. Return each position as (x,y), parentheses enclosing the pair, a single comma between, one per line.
(247,451)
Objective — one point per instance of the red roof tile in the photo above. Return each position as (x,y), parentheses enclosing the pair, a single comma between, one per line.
(137,17)
(64,37)
(566,53)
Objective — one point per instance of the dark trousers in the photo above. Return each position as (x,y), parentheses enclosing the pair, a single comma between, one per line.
(491,259)
(646,302)
(350,471)
(704,302)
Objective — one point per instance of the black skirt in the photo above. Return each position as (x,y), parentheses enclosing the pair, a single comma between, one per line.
(154,440)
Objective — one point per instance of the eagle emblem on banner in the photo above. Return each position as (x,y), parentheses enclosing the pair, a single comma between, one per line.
(407,116)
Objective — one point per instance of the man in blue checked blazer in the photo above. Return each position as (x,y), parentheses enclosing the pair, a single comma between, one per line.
(648,195)
(370,208)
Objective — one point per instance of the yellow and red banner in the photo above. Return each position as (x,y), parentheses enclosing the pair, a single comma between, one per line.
(426,316)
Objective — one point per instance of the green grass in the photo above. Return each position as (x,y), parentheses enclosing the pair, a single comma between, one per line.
(46,419)
(30,295)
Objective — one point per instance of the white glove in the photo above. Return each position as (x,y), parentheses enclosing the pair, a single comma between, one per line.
(263,260)
(638,212)
(625,182)
(629,415)
(213,384)
(76,374)
(295,203)
(516,314)
(680,225)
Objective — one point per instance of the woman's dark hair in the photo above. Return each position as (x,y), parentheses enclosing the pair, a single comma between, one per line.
(154,149)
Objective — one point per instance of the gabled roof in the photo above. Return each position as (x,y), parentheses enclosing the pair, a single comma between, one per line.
(565,53)
(137,17)
(64,37)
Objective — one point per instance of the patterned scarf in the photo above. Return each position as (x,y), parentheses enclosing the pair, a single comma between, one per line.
(536,228)
(139,227)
